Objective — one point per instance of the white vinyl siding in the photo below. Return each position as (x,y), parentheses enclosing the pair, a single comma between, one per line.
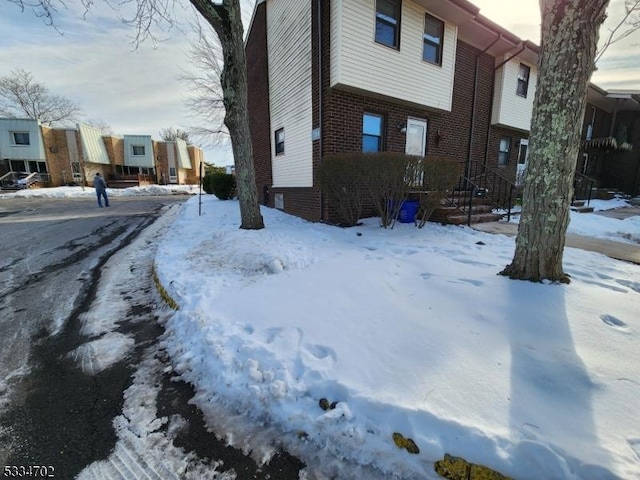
(131,160)
(509,108)
(357,61)
(93,148)
(290,94)
(8,148)
(183,154)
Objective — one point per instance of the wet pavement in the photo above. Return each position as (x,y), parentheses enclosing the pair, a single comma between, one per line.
(627,252)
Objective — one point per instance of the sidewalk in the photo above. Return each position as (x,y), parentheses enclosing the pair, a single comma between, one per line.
(618,250)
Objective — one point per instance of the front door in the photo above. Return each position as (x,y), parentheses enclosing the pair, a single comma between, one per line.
(416,137)
(523,156)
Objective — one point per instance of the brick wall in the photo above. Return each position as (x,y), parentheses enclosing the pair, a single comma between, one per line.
(115,150)
(258,103)
(162,161)
(57,155)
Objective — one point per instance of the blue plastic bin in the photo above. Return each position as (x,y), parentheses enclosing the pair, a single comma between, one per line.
(408,211)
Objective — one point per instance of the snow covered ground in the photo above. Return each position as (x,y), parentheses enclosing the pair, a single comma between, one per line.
(409,331)
(62,192)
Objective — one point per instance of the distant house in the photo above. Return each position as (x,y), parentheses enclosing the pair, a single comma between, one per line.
(32,154)
(383,75)
(611,140)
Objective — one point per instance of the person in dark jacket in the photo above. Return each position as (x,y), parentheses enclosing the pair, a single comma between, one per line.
(101,190)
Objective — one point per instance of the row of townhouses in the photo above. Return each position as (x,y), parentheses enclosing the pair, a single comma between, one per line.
(415,76)
(32,154)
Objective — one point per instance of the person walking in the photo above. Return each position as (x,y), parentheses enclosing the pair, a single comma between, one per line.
(101,190)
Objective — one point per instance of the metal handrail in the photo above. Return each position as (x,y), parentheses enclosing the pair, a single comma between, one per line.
(587,184)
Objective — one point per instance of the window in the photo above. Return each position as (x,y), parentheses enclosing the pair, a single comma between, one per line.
(504,150)
(279,136)
(172,172)
(137,150)
(388,23)
(433,37)
(371,133)
(523,80)
(20,138)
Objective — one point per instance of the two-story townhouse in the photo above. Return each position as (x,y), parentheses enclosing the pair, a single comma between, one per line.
(610,153)
(22,150)
(62,156)
(414,76)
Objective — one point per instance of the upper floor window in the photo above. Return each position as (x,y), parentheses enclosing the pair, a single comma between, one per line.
(279,137)
(371,133)
(137,149)
(504,150)
(433,39)
(20,138)
(523,80)
(388,22)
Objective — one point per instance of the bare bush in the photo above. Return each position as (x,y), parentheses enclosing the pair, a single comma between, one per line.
(342,179)
(440,174)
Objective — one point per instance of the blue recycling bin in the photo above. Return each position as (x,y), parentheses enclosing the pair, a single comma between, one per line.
(408,211)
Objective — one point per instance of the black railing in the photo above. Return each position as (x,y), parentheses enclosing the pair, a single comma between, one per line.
(462,196)
(583,187)
(493,188)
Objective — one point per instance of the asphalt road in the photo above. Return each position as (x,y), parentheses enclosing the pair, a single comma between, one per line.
(85,389)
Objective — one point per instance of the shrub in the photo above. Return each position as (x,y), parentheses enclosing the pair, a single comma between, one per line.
(222,185)
(342,179)
(389,178)
(439,175)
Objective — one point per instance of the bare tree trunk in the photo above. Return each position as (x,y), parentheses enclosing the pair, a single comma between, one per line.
(226,19)
(569,40)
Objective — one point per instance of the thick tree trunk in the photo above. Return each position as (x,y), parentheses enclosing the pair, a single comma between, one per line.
(226,19)
(569,40)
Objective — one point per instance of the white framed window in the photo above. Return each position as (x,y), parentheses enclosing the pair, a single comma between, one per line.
(523,80)
(20,138)
(137,150)
(504,150)
(432,39)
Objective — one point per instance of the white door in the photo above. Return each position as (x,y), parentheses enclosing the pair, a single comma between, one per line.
(523,156)
(416,137)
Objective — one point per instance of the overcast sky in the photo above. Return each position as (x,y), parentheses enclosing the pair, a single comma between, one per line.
(139,91)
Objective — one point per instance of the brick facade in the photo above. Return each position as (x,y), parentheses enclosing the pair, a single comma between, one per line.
(258,103)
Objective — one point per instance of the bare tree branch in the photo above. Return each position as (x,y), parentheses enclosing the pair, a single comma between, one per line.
(631,19)
(21,95)
(206,100)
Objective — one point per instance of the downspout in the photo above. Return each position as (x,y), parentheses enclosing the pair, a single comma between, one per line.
(473,104)
(320,72)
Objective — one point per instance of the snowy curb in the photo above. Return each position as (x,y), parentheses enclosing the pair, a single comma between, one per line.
(163,291)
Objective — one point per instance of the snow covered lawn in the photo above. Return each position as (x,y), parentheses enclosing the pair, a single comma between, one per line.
(410,331)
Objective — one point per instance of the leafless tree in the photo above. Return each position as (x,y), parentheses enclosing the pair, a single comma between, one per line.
(206,97)
(21,95)
(629,23)
(569,38)
(226,20)
(170,134)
